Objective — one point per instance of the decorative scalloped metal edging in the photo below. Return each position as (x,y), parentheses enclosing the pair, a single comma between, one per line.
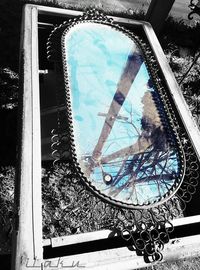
(147,226)
(195,9)
(159,89)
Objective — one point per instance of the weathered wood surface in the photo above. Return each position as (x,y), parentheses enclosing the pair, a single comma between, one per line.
(123,258)
(104,234)
(158,12)
(27,236)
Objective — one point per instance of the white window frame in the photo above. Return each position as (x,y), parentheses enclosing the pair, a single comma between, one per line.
(27,241)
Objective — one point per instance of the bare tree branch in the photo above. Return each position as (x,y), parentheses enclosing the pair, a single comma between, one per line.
(140,146)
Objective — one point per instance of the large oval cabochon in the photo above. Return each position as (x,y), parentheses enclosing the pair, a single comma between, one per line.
(124,144)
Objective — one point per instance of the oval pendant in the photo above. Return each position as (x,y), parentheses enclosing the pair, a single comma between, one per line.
(126,147)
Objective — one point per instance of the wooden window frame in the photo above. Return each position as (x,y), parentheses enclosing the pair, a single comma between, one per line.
(27,239)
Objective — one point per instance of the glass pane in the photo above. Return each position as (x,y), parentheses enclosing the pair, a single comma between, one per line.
(122,136)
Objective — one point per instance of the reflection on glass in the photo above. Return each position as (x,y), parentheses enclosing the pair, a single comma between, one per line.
(121,143)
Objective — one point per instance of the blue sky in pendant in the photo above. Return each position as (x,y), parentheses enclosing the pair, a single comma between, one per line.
(117,128)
